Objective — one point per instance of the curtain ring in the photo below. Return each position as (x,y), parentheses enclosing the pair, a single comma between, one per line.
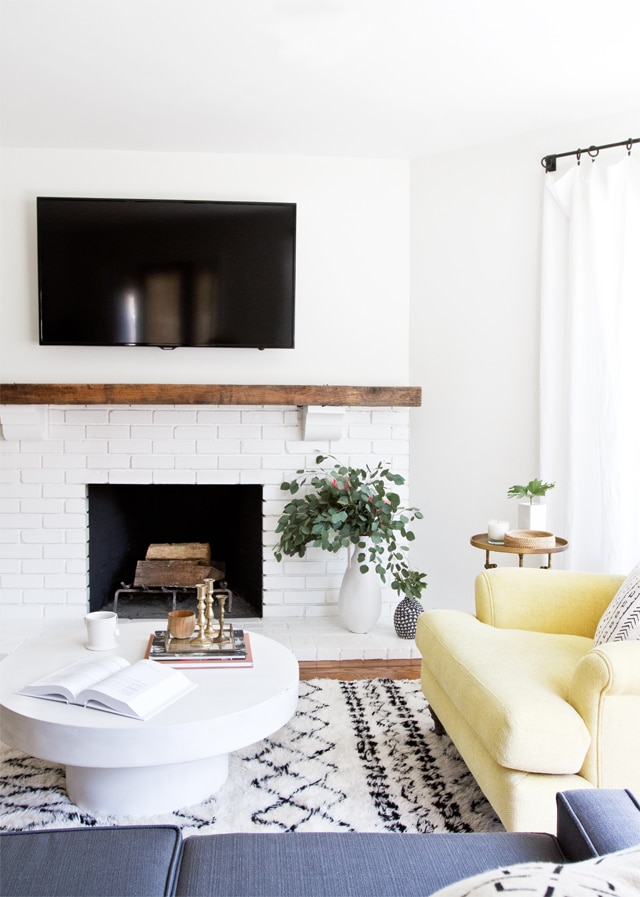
(629,145)
(594,152)
(578,155)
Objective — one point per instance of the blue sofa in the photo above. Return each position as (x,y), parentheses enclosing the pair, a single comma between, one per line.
(156,860)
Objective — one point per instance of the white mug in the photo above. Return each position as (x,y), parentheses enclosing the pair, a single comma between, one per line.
(102,628)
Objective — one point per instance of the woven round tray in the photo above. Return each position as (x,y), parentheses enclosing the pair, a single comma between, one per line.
(526,538)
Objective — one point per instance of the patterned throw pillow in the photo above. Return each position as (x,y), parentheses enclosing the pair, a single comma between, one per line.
(613,875)
(621,620)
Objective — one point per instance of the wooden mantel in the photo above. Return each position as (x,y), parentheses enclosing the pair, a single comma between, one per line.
(204,394)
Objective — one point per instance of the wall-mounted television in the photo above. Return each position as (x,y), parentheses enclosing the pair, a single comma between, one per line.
(168,273)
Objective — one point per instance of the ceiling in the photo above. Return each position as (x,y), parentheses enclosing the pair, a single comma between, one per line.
(372,78)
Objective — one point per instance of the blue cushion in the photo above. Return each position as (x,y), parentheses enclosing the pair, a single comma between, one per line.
(90,862)
(310,864)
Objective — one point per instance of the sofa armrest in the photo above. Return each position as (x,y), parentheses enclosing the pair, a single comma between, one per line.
(561,601)
(612,668)
(593,822)
(605,691)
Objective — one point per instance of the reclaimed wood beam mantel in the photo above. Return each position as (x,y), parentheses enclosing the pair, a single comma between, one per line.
(205,394)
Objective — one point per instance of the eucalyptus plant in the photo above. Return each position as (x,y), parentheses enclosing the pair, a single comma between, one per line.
(533,489)
(343,506)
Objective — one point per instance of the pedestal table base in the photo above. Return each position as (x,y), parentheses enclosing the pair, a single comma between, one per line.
(145,790)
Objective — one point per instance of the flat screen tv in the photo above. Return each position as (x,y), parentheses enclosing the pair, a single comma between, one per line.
(131,272)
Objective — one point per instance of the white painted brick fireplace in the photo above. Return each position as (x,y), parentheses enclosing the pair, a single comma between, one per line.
(44,479)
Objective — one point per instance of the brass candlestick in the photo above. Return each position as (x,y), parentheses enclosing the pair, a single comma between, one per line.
(208,585)
(221,638)
(202,637)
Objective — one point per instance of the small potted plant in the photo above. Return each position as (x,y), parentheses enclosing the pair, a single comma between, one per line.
(357,509)
(532,512)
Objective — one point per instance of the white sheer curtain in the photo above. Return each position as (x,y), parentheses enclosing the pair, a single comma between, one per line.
(590,360)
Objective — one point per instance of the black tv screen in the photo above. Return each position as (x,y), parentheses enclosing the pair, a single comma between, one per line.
(168,273)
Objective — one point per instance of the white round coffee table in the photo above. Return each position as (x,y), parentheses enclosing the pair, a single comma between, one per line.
(124,767)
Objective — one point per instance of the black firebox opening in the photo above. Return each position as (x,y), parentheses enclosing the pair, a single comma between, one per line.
(125,520)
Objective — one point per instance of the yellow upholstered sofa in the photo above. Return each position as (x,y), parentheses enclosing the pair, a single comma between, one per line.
(531,705)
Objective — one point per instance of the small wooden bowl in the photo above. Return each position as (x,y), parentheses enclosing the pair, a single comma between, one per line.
(529,538)
(181,623)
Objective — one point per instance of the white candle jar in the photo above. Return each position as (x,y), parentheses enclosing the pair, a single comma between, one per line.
(496,530)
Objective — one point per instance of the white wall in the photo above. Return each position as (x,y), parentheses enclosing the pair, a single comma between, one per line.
(474,343)
(473,332)
(352,304)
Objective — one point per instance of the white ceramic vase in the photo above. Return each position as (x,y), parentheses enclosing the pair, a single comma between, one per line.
(532,516)
(360,598)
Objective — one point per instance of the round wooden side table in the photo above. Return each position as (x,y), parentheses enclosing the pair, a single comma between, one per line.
(481,540)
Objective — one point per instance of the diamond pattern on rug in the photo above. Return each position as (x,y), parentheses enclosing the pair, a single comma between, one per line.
(357,756)
(297,775)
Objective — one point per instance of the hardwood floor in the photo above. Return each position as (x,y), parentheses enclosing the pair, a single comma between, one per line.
(349,670)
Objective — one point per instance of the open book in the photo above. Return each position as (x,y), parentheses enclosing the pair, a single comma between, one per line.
(138,690)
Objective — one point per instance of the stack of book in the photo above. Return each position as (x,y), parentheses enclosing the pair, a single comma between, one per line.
(183,654)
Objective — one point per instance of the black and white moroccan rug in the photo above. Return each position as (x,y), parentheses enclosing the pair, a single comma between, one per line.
(357,756)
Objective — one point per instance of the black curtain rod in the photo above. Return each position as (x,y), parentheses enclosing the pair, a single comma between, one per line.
(549,162)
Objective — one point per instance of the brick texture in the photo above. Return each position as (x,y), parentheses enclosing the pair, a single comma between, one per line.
(44,516)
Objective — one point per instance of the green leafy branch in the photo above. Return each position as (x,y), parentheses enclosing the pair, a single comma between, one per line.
(533,489)
(351,506)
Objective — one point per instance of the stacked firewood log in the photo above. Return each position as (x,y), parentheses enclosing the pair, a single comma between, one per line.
(178,565)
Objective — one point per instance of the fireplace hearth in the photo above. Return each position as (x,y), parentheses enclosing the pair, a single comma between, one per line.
(124,520)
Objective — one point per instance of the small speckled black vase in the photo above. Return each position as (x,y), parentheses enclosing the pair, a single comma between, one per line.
(406,616)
